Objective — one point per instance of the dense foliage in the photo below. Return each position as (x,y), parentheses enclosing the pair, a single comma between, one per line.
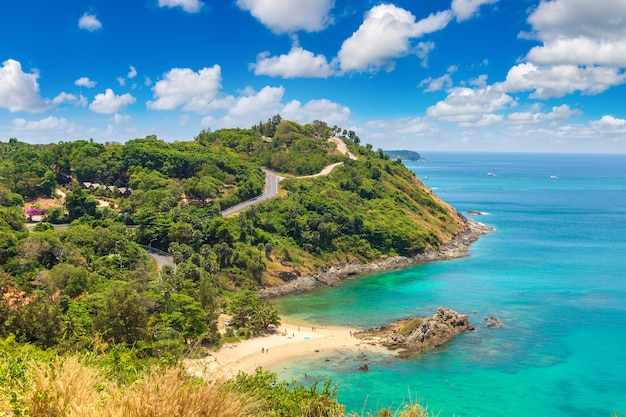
(82,281)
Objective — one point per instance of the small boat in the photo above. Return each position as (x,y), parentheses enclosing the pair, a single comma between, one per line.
(554,177)
(491,174)
(425,177)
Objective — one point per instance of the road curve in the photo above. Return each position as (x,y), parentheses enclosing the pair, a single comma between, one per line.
(271,180)
(270,191)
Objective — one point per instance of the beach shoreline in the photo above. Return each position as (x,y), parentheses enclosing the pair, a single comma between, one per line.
(289,341)
(294,339)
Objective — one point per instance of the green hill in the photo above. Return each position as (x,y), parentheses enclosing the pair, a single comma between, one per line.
(404,155)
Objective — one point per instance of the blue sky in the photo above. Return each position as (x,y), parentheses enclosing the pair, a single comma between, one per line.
(457,75)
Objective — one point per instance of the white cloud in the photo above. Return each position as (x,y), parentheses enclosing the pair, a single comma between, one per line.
(132,73)
(195,91)
(577,32)
(439,83)
(557,81)
(580,51)
(46,124)
(121,81)
(326,110)
(85,82)
(248,109)
(253,106)
(109,102)
(610,123)
(283,16)
(558,113)
(398,133)
(298,63)
(583,49)
(465,9)
(436,84)
(470,106)
(121,118)
(70,98)
(385,34)
(89,22)
(190,6)
(559,19)
(19,91)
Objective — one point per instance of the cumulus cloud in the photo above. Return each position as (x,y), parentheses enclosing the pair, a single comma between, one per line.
(85,82)
(190,6)
(89,22)
(121,118)
(284,16)
(132,73)
(298,63)
(245,110)
(583,49)
(557,81)
(46,124)
(608,122)
(440,83)
(577,32)
(64,97)
(194,91)
(384,35)
(468,106)
(436,84)
(19,91)
(109,103)
(466,9)
(558,113)
(332,113)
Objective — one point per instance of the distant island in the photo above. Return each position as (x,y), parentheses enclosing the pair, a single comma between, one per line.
(404,155)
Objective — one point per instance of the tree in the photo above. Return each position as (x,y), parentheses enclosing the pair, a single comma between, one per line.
(79,203)
(121,317)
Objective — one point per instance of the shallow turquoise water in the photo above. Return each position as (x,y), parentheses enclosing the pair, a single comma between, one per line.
(554,272)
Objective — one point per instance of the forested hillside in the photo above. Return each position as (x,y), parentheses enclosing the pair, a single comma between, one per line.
(77,278)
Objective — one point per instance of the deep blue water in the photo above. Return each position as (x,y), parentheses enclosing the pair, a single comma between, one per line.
(554,272)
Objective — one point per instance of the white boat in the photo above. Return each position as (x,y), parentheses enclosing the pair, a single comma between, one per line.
(491,174)
(553,177)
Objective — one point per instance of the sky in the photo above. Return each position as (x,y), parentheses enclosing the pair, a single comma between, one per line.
(438,75)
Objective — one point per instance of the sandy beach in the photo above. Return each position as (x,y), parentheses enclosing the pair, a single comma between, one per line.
(291,341)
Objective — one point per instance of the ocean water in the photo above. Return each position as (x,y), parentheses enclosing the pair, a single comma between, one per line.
(554,272)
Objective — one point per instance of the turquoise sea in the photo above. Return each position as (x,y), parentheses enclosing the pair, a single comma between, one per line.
(554,272)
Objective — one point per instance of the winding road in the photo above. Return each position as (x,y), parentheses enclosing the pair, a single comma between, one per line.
(272,180)
(270,191)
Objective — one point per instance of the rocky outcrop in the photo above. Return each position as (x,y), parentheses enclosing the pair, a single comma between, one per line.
(332,276)
(414,336)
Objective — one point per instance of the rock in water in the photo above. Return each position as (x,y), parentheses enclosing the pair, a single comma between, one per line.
(427,334)
(435,331)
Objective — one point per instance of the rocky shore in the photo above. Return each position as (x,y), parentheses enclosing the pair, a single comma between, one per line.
(418,335)
(332,276)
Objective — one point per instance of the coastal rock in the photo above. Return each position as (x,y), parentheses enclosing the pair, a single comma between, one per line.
(364,367)
(333,275)
(493,321)
(414,336)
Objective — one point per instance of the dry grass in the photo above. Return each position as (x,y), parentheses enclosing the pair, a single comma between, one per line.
(69,388)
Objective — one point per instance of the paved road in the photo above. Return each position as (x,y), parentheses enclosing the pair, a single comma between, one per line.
(162,258)
(270,191)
